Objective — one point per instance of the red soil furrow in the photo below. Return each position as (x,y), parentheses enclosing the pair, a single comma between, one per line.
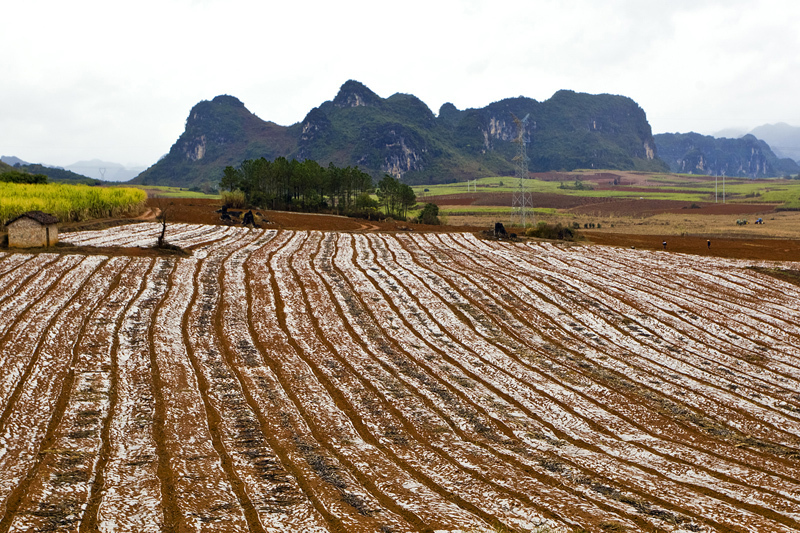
(233,437)
(34,408)
(707,397)
(302,448)
(779,335)
(650,469)
(23,293)
(330,353)
(271,491)
(332,420)
(725,315)
(776,301)
(173,521)
(725,360)
(57,485)
(679,311)
(388,386)
(480,388)
(606,397)
(375,395)
(207,499)
(666,431)
(97,403)
(715,386)
(11,262)
(24,337)
(336,493)
(133,499)
(291,504)
(514,323)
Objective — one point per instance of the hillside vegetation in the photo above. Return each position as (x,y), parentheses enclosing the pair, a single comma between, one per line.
(747,156)
(401,136)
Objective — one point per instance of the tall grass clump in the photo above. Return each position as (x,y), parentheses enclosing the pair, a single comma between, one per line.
(69,202)
(235,199)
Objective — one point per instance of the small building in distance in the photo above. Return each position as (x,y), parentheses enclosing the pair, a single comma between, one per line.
(32,229)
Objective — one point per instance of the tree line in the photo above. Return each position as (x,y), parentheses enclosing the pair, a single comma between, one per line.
(308,186)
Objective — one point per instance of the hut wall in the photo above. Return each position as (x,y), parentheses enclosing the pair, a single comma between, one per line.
(27,233)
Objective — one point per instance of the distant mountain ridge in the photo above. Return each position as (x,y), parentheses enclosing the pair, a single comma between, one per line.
(693,153)
(782,138)
(82,171)
(104,170)
(401,136)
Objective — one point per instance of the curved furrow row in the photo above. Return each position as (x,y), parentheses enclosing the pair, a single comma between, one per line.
(782,331)
(655,464)
(207,500)
(385,420)
(16,277)
(669,407)
(768,380)
(39,374)
(291,397)
(777,313)
(132,496)
(10,262)
(597,385)
(309,310)
(557,419)
(328,414)
(747,417)
(271,492)
(56,490)
(106,237)
(668,340)
(691,356)
(605,388)
(41,304)
(403,385)
(26,286)
(234,433)
(678,310)
(291,503)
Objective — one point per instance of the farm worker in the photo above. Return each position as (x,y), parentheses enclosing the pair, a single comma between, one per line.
(709,244)
(664,244)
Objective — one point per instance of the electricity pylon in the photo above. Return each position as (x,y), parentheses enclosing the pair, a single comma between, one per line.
(522,202)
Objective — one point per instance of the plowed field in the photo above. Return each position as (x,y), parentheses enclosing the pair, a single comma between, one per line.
(280,380)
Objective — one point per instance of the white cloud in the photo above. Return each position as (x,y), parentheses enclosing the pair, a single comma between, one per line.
(115,81)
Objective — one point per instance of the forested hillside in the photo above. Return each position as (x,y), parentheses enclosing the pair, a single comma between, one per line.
(747,156)
(401,136)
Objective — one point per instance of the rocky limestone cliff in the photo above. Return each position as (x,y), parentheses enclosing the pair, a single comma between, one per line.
(401,136)
(692,153)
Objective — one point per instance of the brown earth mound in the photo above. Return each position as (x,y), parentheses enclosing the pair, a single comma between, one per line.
(763,249)
(646,208)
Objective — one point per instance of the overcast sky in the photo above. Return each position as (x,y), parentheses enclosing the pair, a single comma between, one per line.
(115,81)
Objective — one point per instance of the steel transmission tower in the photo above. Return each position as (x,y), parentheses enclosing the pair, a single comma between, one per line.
(522,202)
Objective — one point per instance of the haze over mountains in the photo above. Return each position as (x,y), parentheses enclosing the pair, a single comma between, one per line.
(95,169)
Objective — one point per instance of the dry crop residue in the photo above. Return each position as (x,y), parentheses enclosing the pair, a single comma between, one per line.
(321,381)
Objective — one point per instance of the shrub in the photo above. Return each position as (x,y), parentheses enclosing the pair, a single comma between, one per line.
(235,199)
(544,230)
(429,214)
